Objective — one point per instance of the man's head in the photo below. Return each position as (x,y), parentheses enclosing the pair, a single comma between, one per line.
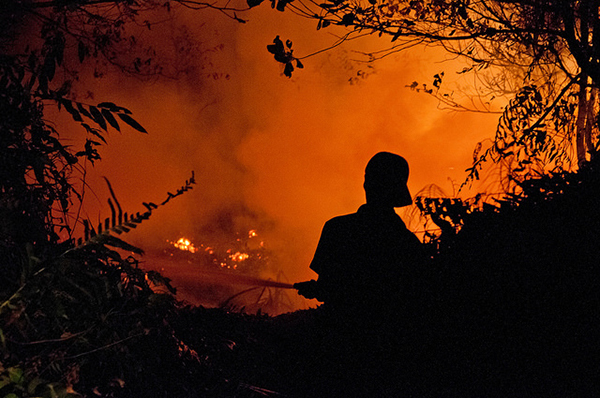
(386,175)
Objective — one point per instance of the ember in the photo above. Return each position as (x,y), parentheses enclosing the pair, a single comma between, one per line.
(184,244)
(237,256)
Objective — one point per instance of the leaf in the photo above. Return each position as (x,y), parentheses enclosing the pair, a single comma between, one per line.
(282,3)
(49,68)
(283,57)
(16,375)
(120,229)
(93,131)
(20,74)
(150,205)
(158,279)
(110,119)
(82,51)
(83,111)
(59,49)
(43,83)
(130,121)
(289,68)
(69,108)
(276,47)
(348,19)
(253,3)
(299,64)
(113,107)
(98,118)
(121,244)
(32,60)
(90,152)
(38,171)
(4,381)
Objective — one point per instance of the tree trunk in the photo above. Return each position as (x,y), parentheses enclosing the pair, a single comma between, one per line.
(582,121)
(590,123)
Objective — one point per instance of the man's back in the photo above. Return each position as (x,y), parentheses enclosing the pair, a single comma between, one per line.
(366,259)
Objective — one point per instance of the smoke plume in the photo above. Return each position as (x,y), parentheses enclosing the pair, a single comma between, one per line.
(273,154)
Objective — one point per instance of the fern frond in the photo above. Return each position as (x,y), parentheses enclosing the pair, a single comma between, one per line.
(120,222)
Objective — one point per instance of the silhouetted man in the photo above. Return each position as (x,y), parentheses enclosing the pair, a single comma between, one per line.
(368,260)
(369,266)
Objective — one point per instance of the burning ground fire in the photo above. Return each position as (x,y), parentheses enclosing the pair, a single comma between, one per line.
(184,244)
(228,273)
(232,257)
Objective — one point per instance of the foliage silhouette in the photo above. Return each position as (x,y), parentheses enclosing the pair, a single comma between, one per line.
(540,55)
(284,55)
(509,304)
(82,308)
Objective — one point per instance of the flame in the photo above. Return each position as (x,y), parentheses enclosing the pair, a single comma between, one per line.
(238,256)
(184,244)
(230,258)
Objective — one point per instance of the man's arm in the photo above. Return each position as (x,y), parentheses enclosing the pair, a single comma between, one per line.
(309,289)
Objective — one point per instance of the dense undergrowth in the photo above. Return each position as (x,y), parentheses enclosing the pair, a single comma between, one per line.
(508,306)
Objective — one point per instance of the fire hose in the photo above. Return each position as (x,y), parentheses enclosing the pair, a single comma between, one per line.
(306,289)
(226,278)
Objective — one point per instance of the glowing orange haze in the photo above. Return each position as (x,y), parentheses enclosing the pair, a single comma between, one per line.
(292,151)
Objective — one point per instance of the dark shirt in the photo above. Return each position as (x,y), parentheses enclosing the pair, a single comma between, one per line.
(367,259)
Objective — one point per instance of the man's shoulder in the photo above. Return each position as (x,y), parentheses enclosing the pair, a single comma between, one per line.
(342,220)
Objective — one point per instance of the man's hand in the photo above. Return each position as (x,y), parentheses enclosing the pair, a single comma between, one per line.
(309,289)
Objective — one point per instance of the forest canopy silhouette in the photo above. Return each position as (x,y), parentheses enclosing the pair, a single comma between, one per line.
(508,301)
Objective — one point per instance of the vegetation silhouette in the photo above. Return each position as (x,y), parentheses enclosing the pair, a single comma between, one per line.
(515,291)
(507,304)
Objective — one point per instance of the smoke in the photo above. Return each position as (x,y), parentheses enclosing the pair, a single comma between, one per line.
(270,153)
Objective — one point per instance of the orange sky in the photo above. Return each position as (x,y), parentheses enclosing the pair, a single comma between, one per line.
(292,151)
